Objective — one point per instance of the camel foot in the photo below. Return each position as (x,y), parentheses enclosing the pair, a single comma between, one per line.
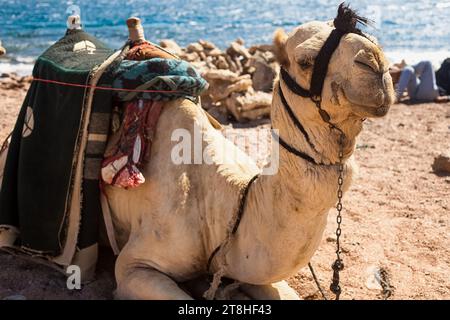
(275,291)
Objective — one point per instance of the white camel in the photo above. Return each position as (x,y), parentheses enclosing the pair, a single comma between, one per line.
(168,228)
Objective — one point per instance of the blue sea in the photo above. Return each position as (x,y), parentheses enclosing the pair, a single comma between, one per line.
(406,29)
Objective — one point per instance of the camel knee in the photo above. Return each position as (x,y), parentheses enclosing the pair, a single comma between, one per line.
(144,283)
(141,282)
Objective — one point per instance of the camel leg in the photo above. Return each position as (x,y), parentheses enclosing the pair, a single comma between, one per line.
(275,291)
(141,282)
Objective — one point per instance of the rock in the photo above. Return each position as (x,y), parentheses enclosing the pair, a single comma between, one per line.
(2,50)
(233,66)
(241,85)
(240,41)
(373,280)
(269,56)
(215,52)
(249,70)
(207,45)
(26,79)
(206,101)
(441,164)
(12,84)
(222,63)
(225,75)
(202,55)
(171,46)
(15,297)
(261,47)
(220,87)
(194,47)
(251,106)
(263,75)
(219,113)
(193,56)
(239,50)
(201,66)
(4,75)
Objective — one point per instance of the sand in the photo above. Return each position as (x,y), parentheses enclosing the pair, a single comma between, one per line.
(396,217)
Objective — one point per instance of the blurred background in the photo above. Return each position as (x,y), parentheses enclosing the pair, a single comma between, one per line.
(407,30)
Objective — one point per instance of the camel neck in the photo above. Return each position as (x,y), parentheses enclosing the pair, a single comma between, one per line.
(313,136)
(286,212)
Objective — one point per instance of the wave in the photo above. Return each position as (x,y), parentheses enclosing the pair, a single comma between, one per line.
(22,69)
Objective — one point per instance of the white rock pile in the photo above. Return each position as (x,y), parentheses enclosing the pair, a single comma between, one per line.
(240,78)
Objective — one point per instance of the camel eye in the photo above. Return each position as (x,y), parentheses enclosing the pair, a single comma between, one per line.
(364,65)
(304,64)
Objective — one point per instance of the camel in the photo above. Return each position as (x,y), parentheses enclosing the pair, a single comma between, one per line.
(168,228)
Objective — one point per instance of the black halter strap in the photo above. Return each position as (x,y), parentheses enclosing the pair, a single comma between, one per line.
(294,118)
(321,63)
(295,151)
(315,91)
(293,85)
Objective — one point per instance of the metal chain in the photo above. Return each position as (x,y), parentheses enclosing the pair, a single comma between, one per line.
(338,264)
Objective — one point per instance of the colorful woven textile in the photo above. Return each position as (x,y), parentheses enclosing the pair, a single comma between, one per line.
(122,161)
(168,79)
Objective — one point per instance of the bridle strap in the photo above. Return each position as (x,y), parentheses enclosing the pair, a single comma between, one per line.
(294,118)
(295,151)
(293,85)
(322,61)
(240,213)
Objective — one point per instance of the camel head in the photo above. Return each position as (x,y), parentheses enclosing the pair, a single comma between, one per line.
(357,82)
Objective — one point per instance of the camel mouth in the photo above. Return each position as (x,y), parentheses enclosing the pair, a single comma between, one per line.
(370,111)
(382,111)
(366,110)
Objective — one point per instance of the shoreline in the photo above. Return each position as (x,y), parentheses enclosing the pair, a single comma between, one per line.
(241,77)
(16,64)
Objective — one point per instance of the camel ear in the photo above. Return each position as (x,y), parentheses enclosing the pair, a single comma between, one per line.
(279,42)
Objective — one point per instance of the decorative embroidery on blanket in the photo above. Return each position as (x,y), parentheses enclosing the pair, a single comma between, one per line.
(122,162)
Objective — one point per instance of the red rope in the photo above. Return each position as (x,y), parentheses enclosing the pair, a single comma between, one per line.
(69,84)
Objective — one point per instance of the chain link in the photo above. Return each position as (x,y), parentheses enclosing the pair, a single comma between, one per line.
(338,264)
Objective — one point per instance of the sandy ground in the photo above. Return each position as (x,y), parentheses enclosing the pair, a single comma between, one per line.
(396,220)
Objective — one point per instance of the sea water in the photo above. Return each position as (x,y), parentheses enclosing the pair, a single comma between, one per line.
(411,30)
